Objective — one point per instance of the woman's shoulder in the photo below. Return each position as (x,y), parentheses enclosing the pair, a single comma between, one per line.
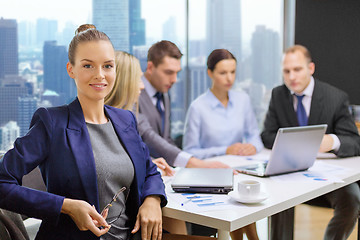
(200,100)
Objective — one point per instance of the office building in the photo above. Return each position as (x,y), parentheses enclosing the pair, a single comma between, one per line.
(8,47)
(266,57)
(26,34)
(113,19)
(11,88)
(46,30)
(136,25)
(56,77)
(223,27)
(169,29)
(140,52)
(199,80)
(51,97)
(27,107)
(8,134)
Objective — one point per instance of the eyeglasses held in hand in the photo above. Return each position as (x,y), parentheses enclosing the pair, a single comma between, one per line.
(110,204)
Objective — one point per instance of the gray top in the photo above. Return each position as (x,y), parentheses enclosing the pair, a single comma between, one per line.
(114,170)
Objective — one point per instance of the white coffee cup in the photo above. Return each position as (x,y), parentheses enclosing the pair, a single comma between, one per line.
(249,188)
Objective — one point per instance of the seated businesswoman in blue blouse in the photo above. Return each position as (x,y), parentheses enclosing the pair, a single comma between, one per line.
(221,121)
(86,152)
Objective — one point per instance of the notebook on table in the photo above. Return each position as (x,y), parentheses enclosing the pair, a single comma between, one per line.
(294,149)
(203,180)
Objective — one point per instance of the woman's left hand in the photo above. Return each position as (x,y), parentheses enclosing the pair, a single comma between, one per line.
(246,149)
(150,219)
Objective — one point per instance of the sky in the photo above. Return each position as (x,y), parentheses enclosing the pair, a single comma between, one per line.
(254,12)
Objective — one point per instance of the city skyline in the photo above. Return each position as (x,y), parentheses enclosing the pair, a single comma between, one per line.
(43,54)
(79,12)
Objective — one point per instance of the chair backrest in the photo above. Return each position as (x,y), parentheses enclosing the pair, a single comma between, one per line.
(12,226)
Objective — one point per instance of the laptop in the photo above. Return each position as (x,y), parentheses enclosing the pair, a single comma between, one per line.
(203,180)
(294,149)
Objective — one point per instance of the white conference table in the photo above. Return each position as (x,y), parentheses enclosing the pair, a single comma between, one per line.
(282,195)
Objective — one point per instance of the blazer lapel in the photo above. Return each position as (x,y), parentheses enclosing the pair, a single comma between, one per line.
(316,108)
(127,135)
(80,145)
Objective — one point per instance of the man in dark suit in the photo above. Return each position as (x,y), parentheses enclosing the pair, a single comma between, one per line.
(303,100)
(164,62)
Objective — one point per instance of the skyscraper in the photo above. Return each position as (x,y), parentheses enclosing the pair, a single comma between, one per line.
(8,47)
(223,28)
(27,107)
(169,29)
(55,74)
(8,134)
(46,30)
(266,57)
(137,25)
(11,88)
(112,18)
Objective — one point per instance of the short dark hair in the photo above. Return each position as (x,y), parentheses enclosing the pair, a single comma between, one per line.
(216,56)
(162,49)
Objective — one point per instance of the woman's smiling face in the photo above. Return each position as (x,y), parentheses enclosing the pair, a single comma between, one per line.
(93,70)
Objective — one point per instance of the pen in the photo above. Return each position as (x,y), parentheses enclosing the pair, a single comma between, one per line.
(209,204)
(189,199)
(202,200)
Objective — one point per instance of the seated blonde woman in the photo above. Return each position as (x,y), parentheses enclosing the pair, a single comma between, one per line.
(125,95)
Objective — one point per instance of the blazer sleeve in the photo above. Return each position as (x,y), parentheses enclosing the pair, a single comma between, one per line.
(158,146)
(152,183)
(345,129)
(271,124)
(29,152)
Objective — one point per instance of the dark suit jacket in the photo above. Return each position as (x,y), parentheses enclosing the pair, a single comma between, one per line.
(160,143)
(58,142)
(328,105)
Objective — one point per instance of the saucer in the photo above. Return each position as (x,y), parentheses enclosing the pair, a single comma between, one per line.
(259,198)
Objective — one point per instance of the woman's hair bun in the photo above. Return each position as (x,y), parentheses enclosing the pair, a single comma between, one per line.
(84,27)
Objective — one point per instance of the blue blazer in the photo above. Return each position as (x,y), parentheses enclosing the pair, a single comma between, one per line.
(58,142)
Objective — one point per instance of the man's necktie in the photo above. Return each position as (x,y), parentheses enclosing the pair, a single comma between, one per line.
(159,97)
(300,112)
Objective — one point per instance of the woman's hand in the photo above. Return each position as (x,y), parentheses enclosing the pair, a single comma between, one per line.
(85,216)
(150,219)
(165,168)
(247,149)
(243,149)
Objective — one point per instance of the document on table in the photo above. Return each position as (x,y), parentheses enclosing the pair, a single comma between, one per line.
(320,171)
(203,202)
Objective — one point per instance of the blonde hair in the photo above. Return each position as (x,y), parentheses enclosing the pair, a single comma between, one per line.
(84,33)
(124,94)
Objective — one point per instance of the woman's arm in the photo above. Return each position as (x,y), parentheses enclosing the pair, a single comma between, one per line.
(29,151)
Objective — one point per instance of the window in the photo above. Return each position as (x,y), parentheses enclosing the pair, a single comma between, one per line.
(34,43)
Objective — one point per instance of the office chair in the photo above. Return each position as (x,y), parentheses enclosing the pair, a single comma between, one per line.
(12,226)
